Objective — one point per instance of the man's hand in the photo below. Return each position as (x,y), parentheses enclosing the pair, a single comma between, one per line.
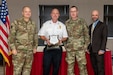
(48,42)
(60,42)
(34,50)
(88,51)
(14,52)
(100,52)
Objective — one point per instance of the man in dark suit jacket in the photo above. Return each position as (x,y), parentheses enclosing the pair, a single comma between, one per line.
(98,34)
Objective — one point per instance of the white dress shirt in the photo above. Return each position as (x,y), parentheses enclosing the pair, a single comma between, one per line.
(49,28)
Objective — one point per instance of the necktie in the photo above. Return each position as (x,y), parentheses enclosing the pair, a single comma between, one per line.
(92,29)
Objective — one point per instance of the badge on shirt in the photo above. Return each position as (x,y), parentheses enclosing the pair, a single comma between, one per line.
(59,26)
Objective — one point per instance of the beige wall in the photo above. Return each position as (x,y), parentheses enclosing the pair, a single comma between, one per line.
(85,8)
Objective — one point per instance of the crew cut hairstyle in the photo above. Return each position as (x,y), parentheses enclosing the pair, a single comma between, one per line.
(74,7)
(25,7)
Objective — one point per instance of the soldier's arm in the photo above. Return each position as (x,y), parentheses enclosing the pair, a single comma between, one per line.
(12,36)
(65,34)
(35,41)
(86,35)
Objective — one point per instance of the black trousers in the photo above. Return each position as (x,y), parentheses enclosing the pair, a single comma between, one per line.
(97,63)
(52,57)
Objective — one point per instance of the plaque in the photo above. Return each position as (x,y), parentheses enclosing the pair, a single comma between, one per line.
(54,39)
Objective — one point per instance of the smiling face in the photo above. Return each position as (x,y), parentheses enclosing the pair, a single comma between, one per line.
(55,15)
(26,12)
(95,15)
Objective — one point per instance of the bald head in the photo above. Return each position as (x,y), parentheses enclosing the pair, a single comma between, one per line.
(54,9)
(26,12)
(55,14)
(25,7)
(95,15)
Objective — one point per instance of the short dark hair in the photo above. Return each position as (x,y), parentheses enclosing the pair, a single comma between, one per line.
(74,7)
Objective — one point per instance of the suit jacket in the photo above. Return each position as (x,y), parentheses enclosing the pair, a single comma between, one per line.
(99,38)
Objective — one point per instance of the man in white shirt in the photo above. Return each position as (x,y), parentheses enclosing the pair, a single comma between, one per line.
(53,32)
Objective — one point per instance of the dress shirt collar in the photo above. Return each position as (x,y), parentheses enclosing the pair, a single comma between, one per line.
(54,23)
(95,23)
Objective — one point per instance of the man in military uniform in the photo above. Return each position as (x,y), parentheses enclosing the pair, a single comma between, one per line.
(23,42)
(77,42)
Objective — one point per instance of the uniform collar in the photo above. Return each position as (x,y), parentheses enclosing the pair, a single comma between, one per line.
(54,23)
(74,20)
(30,21)
(96,22)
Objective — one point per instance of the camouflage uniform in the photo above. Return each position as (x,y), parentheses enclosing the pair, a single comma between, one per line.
(23,37)
(76,45)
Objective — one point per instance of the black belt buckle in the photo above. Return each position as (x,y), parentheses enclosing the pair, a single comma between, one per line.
(52,47)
